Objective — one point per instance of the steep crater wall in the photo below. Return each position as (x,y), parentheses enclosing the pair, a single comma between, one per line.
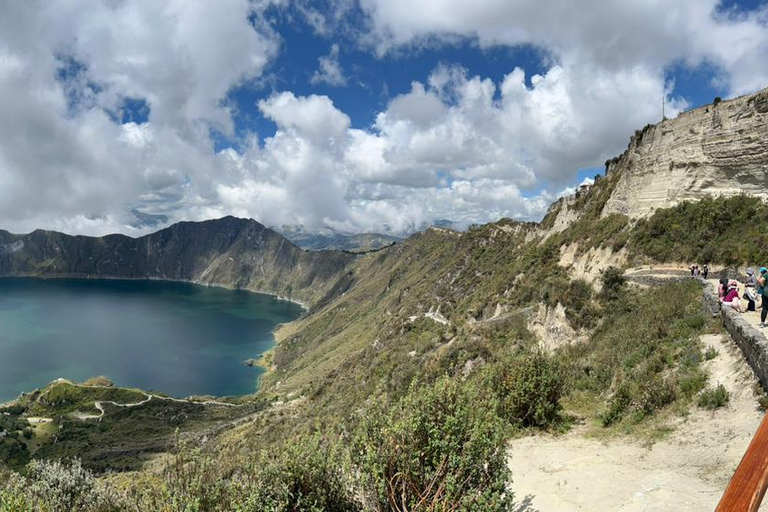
(719,150)
(228,252)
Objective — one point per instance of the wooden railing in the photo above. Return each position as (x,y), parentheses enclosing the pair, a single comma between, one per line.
(747,487)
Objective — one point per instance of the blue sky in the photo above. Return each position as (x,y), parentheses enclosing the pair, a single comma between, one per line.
(354,115)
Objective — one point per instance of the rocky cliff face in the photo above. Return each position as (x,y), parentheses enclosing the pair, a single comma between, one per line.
(230,252)
(719,149)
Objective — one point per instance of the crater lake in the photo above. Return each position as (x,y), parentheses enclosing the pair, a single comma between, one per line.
(177,338)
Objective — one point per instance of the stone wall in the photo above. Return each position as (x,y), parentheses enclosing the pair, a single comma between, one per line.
(751,340)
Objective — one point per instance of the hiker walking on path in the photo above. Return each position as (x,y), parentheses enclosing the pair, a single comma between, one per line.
(761,291)
(705,270)
(750,289)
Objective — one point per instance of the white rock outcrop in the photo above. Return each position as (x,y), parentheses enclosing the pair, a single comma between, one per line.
(715,150)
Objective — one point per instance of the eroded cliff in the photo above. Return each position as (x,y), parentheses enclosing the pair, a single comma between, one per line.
(715,150)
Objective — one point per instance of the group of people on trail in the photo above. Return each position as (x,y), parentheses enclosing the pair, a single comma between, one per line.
(755,287)
(703,272)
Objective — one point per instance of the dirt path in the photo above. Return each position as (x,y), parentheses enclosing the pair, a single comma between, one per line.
(689,470)
(100,407)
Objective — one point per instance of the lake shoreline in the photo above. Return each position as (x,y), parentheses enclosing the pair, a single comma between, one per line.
(256,347)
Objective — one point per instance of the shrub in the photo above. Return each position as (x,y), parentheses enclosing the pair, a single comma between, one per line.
(655,393)
(528,389)
(580,307)
(728,231)
(617,405)
(306,473)
(58,486)
(614,283)
(717,100)
(714,398)
(710,353)
(311,473)
(13,496)
(644,355)
(440,448)
(692,382)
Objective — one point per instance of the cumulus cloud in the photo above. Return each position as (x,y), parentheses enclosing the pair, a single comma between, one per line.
(456,145)
(65,162)
(330,71)
(606,34)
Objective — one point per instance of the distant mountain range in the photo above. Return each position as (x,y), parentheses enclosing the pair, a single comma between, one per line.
(335,240)
(328,238)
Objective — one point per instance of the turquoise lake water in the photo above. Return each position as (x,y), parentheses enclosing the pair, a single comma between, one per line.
(178,338)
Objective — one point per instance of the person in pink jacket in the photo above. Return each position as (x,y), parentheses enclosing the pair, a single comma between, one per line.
(731,297)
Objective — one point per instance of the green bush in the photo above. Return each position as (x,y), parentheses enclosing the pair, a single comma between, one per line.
(614,283)
(311,473)
(306,473)
(54,486)
(528,389)
(440,448)
(692,382)
(581,308)
(714,398)
(644,355)
(619,402)
(729,231)
(655,393)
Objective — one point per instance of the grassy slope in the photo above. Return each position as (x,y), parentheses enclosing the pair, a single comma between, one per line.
(375,339)
(122,435)
(361,341)
(729,231)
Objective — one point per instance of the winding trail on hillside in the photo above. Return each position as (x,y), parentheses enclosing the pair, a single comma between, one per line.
(99,404)
(100,407)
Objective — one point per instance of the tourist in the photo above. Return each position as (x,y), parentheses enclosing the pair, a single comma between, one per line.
(706,270)
(731,298)
(761,291)
(750,289)
(693,270)
(722,287)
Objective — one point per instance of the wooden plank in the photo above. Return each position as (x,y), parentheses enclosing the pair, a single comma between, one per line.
(747,486)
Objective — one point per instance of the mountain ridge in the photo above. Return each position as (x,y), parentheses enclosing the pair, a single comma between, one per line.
(229,252)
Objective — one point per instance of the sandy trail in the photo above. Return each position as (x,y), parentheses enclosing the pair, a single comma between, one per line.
(100,407)
(688,470)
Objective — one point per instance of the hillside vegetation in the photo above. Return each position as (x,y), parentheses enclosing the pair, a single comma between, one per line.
(401,386)
(728,231)
(641,360)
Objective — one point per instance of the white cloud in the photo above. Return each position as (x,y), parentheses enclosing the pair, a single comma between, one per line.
(330,71)
(454,146)
(64,162)
(605,34)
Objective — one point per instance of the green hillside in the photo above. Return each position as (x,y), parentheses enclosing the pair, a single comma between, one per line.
(421,348)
